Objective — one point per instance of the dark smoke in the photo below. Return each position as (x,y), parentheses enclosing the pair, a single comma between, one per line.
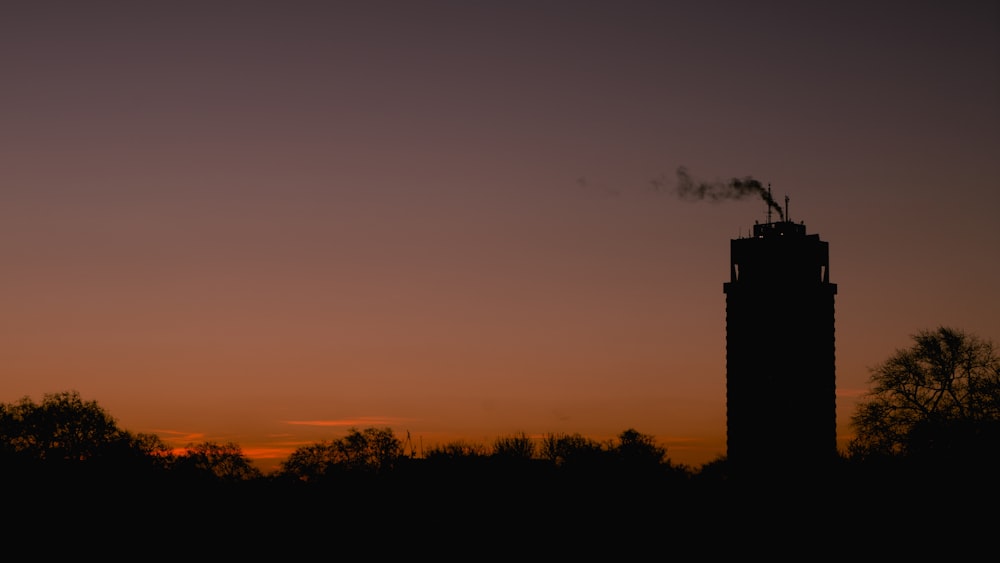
(737,188)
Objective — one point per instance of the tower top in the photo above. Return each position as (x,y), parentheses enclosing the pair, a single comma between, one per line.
(784,227)
(779,229)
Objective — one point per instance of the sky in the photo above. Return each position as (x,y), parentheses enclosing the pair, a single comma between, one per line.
(268,222)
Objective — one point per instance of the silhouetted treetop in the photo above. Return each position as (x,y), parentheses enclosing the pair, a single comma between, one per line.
(513,447)
(940,395)
(223,462)
(458,449)
(638,449)
(571,449)
(65,428)
(372,451)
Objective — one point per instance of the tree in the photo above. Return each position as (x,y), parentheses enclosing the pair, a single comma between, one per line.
(459,458)
(458,449)
(372,450)
(637,450)
(572,450)
(222,462)
(64,428)
(516,447)
(311,462)
(940,396)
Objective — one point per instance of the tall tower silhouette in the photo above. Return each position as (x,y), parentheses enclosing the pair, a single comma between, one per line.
(781,405)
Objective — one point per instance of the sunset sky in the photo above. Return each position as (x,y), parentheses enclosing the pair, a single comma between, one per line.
(266,222)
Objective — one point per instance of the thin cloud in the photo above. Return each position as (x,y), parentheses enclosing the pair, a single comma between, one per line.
(348,422)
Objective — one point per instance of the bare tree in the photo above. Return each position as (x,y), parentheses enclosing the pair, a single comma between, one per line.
(571,449)
(514,447)
(372,450)
(940,394)
(458,449)
(224,462)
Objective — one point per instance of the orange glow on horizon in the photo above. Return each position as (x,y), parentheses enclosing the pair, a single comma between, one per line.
(176,436)
(348,422)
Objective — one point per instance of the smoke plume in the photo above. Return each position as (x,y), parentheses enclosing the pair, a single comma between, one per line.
(737,188)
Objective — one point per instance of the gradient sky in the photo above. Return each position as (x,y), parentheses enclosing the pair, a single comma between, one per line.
(264,222)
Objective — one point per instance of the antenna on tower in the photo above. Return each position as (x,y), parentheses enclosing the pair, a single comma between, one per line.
(787,216)
(769,205)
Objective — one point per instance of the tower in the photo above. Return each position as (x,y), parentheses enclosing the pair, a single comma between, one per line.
(780,360)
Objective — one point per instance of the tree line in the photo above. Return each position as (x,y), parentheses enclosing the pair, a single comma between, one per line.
(932,407)
(65,432)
